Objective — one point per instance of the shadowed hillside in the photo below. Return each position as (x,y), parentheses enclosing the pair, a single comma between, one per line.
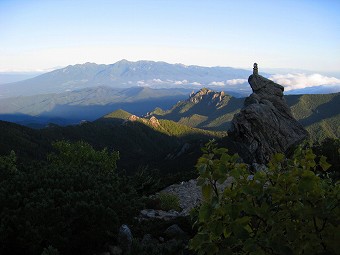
(141,142)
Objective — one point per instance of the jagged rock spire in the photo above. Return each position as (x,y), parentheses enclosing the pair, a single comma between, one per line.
(265,124)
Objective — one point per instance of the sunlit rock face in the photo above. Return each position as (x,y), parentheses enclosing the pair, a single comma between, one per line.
(265,124)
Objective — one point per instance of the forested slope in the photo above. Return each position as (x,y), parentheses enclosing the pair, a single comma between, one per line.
(207,109)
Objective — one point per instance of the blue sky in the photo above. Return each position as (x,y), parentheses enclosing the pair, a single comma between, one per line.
(45,34)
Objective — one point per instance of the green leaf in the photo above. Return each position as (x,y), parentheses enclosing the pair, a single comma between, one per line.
(226,233)
(249,245)
(235,173)
(207,191)
(199,240)
(205,212)
(202,169)
(324,164)
(278,157)
(216,229)
(200,181)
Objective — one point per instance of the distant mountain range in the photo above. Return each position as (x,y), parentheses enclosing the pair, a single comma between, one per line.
(322,89)
(88,91)
(126,74)
(10,77)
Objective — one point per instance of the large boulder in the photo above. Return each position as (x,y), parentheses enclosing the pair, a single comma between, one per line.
(125,238)
(175,232)
(265,124)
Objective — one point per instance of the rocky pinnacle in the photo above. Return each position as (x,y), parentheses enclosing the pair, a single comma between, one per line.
(265,124)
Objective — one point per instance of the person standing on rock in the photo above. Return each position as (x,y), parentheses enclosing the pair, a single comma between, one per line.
(255,69)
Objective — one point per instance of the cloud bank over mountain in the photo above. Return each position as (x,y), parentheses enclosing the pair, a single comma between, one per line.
(236,81)
(301,80)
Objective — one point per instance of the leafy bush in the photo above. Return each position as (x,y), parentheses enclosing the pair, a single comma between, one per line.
(75,202)
(286,209)
(169,201)
(8,166)
(146,181)
(331,149)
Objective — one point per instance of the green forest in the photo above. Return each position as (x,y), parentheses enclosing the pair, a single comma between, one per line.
(67,190)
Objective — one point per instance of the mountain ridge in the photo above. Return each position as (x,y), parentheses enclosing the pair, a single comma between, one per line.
(142,142)
(123,74)
(317,113)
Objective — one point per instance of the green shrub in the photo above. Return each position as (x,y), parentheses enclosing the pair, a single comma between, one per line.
(169,201)
(146,181)
(75,202)
(330,148)
(287,209)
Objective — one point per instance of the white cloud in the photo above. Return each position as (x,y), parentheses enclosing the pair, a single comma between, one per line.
(157,80)
(236,81)
(196,83)
(181,82)
(301,80)
(142,84)
(217,83)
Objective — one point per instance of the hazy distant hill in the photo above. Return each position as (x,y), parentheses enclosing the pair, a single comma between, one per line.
(322,89)
(207,109)
(125,74)
(86,104)
(9,77)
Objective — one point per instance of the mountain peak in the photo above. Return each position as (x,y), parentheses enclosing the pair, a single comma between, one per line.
(118,114)
(206,94)
(153,121)
(122,61)
(257,82)
(89,64)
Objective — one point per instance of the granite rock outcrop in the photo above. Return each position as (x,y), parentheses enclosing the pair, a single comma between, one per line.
(265,125)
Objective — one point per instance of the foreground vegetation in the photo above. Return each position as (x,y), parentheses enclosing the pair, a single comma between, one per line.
(286,208)
(74,200)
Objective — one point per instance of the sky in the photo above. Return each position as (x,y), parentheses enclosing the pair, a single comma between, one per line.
(45,34)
